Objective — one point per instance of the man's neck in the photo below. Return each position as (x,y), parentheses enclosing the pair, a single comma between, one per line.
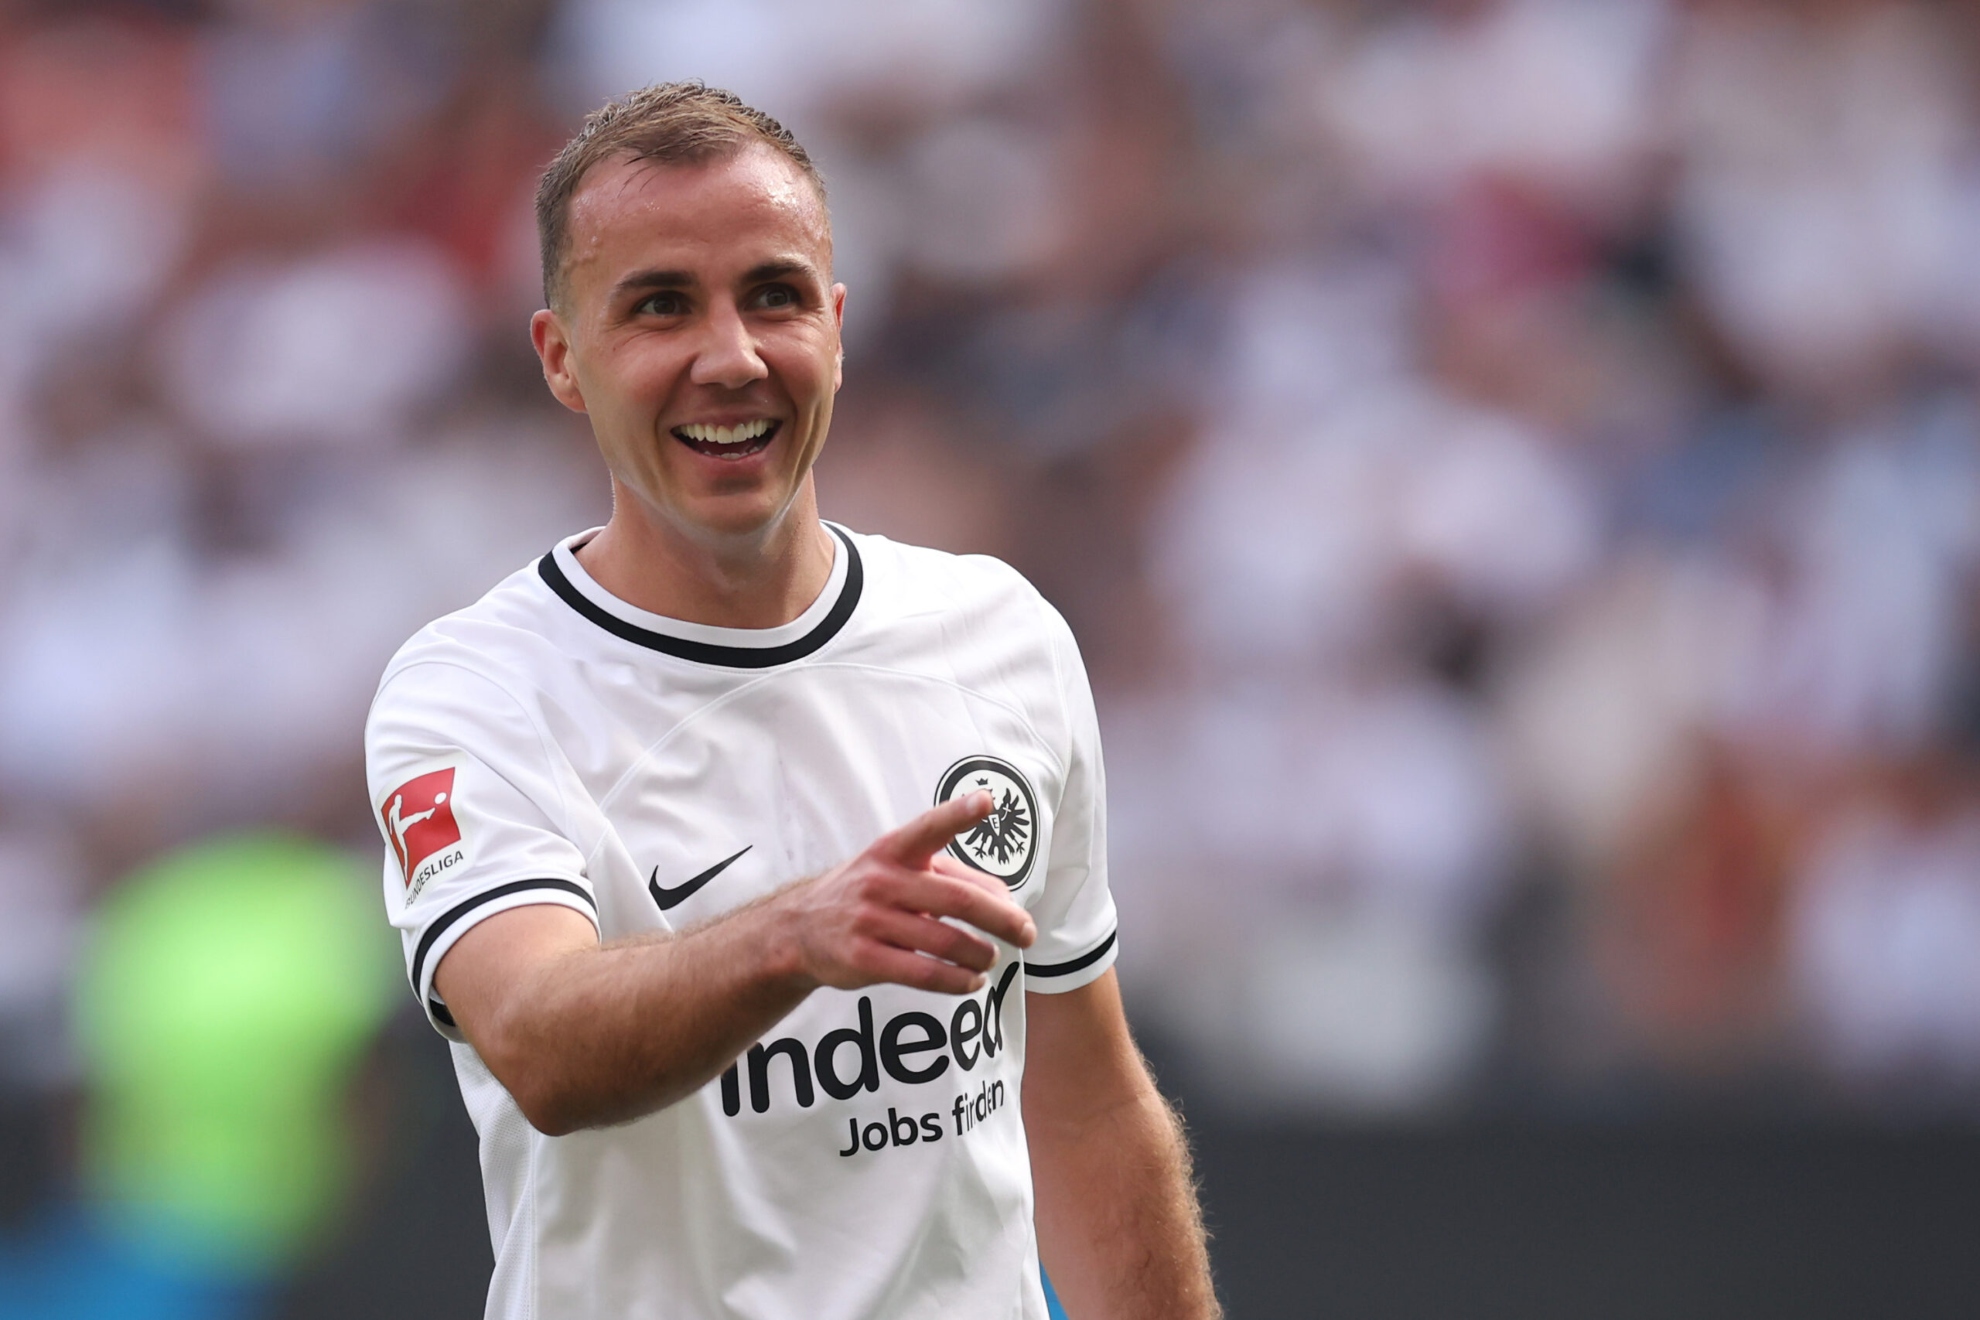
(760,581)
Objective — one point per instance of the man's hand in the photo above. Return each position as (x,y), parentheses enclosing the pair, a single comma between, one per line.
(584,1034)
(878,917)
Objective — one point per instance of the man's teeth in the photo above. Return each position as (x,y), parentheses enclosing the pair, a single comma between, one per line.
(726,435)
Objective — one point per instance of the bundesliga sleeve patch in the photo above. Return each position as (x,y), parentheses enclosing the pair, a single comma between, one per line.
(420,825)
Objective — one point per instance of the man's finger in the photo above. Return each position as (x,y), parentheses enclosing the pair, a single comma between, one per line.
(1026,929)
(947,896)
(927,834)
(918,933)
(944,864)
(912,969)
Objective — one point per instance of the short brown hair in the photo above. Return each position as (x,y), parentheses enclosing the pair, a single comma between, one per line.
(667,123)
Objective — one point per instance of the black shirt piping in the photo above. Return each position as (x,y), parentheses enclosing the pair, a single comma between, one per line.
(707,653)
(1084,960)
(465,906)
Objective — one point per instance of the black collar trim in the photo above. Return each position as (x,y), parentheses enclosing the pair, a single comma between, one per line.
(707,653)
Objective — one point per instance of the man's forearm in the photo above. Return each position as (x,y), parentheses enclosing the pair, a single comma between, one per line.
(605,1034)
(1118,1225)
(584,1035)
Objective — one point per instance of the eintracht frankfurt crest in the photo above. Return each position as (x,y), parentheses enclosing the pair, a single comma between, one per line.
(1002,844)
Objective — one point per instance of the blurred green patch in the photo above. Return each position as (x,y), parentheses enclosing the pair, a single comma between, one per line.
(229,993)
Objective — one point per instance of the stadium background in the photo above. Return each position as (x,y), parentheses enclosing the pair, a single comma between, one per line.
(1513,466)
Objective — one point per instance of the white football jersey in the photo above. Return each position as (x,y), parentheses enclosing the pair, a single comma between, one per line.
(553,744)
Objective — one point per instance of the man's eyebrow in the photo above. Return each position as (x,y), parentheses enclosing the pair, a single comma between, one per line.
(641,281)
(777,270)
(646,281)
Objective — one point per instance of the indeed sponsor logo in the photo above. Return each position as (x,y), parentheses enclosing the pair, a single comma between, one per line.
(912,1047)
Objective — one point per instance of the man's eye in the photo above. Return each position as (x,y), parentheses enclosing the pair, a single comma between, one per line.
(776,295)
(662,304)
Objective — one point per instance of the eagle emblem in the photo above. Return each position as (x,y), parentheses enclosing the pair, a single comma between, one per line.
(1001,844)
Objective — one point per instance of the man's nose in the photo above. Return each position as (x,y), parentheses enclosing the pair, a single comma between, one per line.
(727,358)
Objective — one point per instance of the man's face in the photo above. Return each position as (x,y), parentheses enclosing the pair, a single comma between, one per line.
(700,331)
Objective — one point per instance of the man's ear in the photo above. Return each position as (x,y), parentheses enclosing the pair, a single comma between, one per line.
(839,324)
(553,350)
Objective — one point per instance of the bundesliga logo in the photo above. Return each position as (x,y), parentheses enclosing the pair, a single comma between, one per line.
(419,823)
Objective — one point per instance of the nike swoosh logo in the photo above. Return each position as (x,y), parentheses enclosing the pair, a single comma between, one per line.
(679,894)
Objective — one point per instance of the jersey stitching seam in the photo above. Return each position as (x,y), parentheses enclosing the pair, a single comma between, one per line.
(1052,616)
(646,754)
(544,743)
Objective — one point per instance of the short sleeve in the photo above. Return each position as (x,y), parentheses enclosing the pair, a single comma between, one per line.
(1077,928)
(467,795)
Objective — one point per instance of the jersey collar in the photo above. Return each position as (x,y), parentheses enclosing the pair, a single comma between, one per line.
(739,648)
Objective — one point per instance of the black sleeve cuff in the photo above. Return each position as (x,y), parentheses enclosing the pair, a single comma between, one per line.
(1085,960)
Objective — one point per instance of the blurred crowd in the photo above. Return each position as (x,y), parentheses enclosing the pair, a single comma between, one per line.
(1513,466)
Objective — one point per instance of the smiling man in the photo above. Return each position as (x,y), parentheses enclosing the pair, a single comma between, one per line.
(755,868)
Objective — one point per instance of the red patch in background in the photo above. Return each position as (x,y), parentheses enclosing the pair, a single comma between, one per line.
(419,818)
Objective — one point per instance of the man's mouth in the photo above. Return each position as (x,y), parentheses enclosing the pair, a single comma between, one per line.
(738,441)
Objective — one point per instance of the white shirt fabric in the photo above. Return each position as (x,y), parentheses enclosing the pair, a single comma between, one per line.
(553,744)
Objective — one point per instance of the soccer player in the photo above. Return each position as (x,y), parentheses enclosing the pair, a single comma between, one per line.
(756,868)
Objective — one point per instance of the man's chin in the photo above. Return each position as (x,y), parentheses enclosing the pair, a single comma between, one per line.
(733,519)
